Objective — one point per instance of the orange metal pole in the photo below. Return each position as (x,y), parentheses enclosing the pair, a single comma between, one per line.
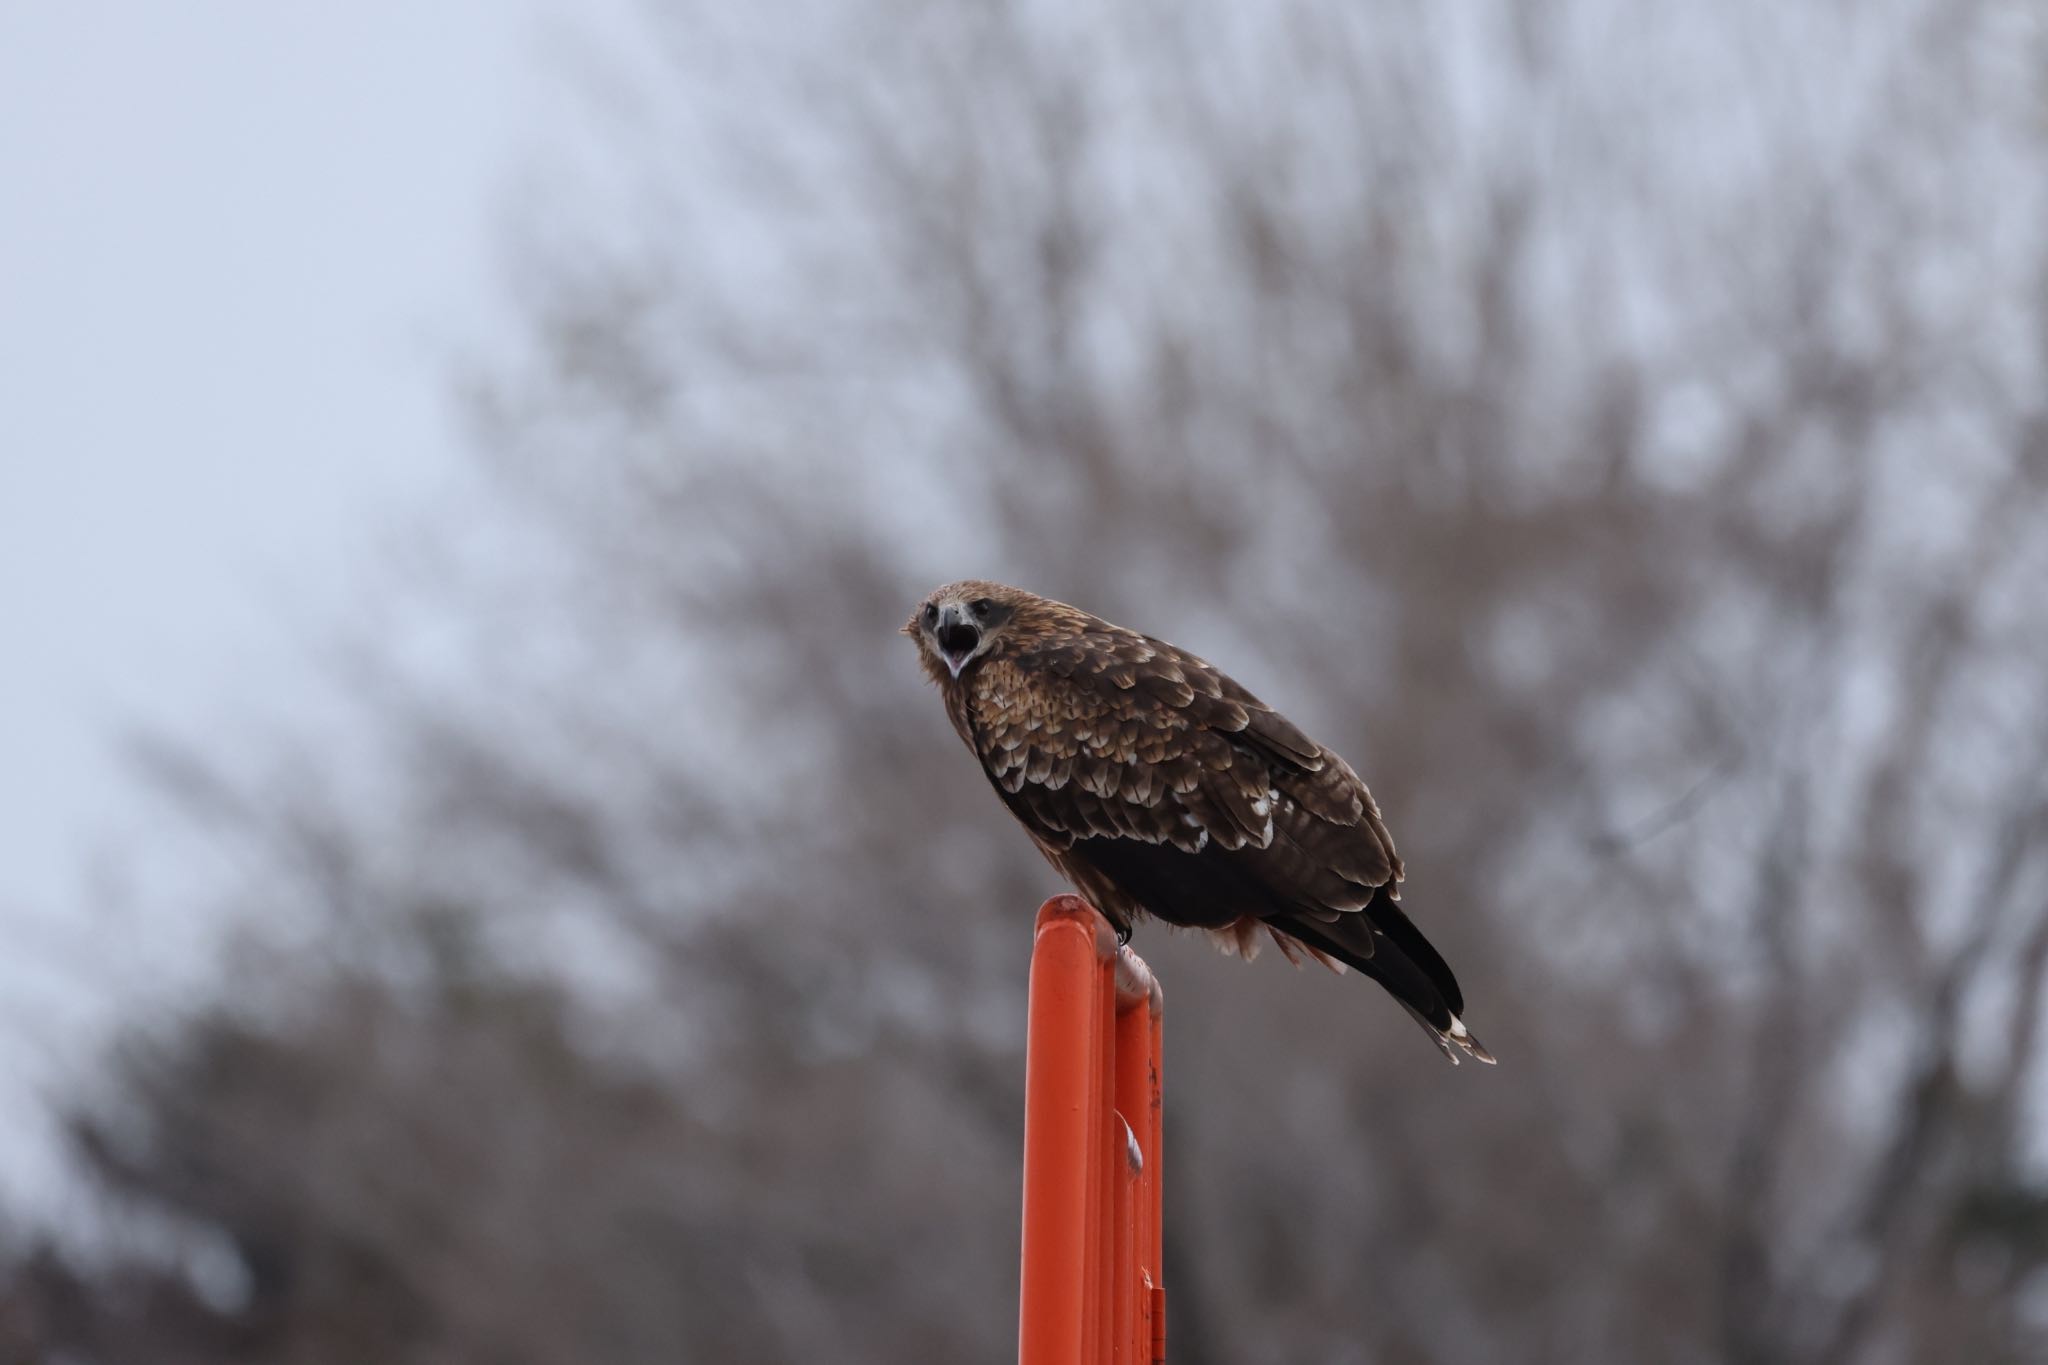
(1103,1159)
(1061,1082)
(1155,1175)
(1123,1284)
(1138,1001)
(1090,1284)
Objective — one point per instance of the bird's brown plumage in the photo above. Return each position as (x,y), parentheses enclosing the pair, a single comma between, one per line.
(1160,787)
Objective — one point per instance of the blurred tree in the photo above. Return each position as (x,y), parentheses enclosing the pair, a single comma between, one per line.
(1624,433)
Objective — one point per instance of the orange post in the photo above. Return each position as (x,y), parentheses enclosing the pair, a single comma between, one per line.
(1091,1284)
(1138,1000)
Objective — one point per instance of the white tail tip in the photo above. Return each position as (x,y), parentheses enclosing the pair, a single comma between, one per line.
(1462,1038)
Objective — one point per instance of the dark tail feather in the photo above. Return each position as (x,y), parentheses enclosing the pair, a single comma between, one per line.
(1383,944)
(1386,916)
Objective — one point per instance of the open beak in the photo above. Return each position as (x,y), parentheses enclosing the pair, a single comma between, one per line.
(957,637)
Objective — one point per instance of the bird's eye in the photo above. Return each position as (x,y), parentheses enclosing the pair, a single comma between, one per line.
(981,606)
(931,614)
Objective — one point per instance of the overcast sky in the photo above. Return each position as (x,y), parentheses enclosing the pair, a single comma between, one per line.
(240,244)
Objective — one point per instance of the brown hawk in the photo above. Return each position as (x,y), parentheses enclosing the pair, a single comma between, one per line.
(1160,787)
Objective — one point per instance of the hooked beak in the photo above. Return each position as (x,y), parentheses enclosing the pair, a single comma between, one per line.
(956,636)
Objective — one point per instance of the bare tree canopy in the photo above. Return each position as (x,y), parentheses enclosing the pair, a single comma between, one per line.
(1623,430)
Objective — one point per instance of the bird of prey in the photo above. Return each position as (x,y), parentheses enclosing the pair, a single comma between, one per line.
(1161,788)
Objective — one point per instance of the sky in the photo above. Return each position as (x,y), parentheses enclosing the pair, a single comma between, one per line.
(241,248)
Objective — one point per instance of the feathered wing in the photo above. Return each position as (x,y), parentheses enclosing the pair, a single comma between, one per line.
(1161,787)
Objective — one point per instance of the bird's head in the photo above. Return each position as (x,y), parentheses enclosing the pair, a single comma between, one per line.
(961,622)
